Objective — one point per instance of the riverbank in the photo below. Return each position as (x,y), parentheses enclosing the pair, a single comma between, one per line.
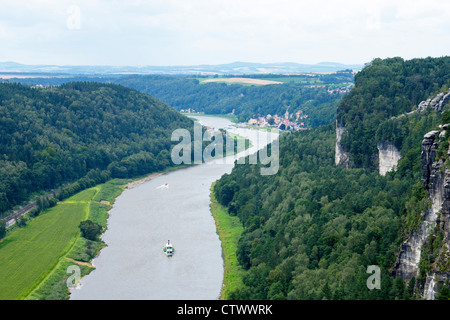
(29,254)
(229,228)
(94,204)
(91,204)
(95,207)
(83,252)
(50,280)
(233,118)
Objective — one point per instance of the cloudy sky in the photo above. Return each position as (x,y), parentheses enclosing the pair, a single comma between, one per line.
(190,32)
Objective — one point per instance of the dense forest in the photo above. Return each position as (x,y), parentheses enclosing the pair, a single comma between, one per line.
(311,231)
(383,89)
(72,129)
(246,100)
(79,133)
(184,92)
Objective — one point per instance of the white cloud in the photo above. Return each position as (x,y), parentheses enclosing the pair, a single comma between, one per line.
(163,32)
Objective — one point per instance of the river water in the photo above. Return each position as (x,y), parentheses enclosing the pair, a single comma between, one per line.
(143,218)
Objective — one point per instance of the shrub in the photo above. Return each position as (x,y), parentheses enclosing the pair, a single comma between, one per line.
(90,230)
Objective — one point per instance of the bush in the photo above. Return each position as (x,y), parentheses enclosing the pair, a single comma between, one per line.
(90,230)
(21,222)
(2,228)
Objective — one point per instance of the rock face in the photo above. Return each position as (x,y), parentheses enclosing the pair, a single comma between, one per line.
(341,157)
(409,256)
(437,103)
(434,283)
(429,146)
(435,220)
(388,157)
(436,180)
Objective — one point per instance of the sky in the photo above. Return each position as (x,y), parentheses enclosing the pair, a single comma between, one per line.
(193,32)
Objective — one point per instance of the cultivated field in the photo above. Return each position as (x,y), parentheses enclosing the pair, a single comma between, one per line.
(28,254)
(243,81)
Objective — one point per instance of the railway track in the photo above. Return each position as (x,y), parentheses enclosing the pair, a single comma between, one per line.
(11,219)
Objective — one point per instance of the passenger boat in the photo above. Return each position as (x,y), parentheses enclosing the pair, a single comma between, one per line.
(169,249)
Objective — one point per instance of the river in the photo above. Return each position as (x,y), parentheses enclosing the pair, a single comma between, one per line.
(142,219)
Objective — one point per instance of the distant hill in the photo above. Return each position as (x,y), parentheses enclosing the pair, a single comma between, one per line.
(88,132)
(316,95)
(385,89)
(312,230)
(236,68)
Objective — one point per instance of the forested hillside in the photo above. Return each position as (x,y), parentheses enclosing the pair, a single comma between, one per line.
(384,89)
(247,101)
(80,131)
(311,231)
(186,92)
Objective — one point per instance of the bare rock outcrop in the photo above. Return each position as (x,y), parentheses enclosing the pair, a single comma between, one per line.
(388,157)
(436,219)
(341,157)
(437,103)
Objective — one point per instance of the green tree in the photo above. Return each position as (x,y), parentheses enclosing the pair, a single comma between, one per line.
(444,293)
(410,289)
(81,133)
(90,230)
(2,228)
(21,221)
(399,288)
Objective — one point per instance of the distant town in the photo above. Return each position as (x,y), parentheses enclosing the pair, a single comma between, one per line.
(295,121)
(288,121)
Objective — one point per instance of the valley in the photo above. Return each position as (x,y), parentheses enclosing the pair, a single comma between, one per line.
(225,158)
(360,186)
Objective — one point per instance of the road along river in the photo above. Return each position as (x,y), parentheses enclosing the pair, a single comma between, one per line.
(143,218)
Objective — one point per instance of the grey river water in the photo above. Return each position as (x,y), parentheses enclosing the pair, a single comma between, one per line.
(143,218)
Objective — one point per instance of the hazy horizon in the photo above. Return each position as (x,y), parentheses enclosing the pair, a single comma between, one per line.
(183,65)
(204,32)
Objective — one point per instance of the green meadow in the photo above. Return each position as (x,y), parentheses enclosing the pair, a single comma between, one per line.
(29,253)
(229,229)
(34,258)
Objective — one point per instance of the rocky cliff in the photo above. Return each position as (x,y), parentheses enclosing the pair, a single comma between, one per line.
(388,154)
(428,245)
(388,157)
(341,157)
(436,103)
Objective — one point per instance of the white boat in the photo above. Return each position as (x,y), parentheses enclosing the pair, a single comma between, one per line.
(169,249)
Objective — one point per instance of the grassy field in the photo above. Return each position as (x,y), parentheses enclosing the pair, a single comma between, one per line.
(309,79)
(229,229)
(34,259)
(97,202)
(29,254)
(243,81)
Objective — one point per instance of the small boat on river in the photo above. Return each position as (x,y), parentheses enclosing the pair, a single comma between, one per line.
(169,249)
